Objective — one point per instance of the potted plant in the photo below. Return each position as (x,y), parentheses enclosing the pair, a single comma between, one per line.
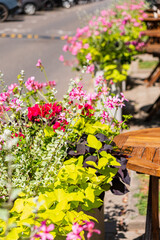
(57,158)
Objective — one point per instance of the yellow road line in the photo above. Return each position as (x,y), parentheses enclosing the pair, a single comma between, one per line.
(36,36)
(29,36)
(3,35)
(19,36)
(13,35)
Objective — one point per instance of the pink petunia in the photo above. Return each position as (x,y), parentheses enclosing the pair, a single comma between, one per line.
(39,63)
(61,58)
(88,56)
(90,69)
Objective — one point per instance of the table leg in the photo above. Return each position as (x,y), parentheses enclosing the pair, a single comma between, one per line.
(152,73)
(152,219)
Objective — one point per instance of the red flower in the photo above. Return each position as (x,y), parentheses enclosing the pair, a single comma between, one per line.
(60,124)
(87,110)
(47,111)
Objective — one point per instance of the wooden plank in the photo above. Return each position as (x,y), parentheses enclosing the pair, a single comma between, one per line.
(154,78)
(144,166)
(120,140)
(151,33)
(149,154)
(156,158)
(138,141)
(137,152)
(151,19)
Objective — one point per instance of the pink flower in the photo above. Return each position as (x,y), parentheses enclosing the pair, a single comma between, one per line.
(15,104)
(103,13)
(136,24)
(86,46)
(123,97)
(12,87)
(75,234)
(88,56)
(90,69)
(52,83)
(111,82)
(31,84)
(96,33)
(76,93)
(99,80)
(65,48)
(43,232)
(89,226)
(4,96)
(91,97)
(105,116)
(39,63)
(61,58)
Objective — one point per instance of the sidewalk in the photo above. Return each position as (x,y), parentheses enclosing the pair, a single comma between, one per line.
(122,220)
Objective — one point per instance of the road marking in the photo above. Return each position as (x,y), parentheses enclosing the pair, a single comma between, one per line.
(3,35)
(36,36)
(19,36)
(31,36)
(13,35)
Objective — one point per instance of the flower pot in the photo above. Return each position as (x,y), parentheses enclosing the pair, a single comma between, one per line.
(99,215)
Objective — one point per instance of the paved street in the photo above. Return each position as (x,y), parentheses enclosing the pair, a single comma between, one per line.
(22,53)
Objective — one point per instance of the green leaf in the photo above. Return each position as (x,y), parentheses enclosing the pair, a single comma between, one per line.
(14,233)
(80,161)
(102,162)
(18,205)
(112,160)
(48,198)
(104,154)
(92,164)
(48,131)
(90,194)
(70,161)
(53,215)
(93,142)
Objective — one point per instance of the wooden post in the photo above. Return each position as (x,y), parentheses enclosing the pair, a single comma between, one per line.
(152,219)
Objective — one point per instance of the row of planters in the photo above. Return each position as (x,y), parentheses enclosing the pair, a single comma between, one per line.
(109,42)
(57,158)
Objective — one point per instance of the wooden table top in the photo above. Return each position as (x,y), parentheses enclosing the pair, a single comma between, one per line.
(151,19)
(151,32)
(153,15)
(143,149)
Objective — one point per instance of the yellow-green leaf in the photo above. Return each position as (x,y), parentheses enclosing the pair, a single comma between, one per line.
(93,142)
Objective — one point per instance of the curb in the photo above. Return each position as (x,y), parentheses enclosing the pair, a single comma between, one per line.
(30,36)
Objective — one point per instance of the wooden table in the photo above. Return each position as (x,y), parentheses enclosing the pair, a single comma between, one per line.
(144,148)
(151,22)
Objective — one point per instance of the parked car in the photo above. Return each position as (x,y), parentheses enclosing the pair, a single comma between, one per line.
(8,7)
(49,4)
(31,6)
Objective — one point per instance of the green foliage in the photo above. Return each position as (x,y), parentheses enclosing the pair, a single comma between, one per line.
(74,187)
